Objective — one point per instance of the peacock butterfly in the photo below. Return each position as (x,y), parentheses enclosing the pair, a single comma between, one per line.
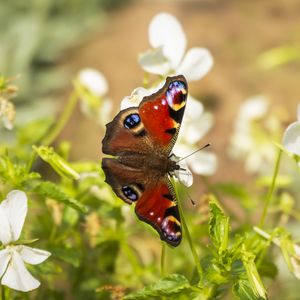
(141,139)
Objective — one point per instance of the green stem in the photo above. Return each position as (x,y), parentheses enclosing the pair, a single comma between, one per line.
(2,292)
(188,235)
(163,259)
(271,189)
(59,125)
(62,121)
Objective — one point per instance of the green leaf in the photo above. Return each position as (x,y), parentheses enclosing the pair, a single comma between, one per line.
(68,255)
(53,191)
(167,286)
(218,226)
(243,290)
(59,164)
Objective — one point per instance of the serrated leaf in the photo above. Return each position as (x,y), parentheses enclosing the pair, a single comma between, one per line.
(218,226)
(167,286)
(243,290)
(51,190)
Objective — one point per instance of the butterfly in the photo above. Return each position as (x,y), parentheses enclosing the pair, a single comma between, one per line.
(141,140)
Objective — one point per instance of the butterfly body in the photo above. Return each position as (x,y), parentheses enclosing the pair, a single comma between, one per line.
(141,140)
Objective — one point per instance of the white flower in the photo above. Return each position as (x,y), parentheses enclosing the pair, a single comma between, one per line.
(166,57)
(253,129)
(196,123)
(94,102)
(291,137)
(94,81)
(13,272)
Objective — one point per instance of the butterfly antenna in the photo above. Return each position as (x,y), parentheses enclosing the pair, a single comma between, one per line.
(191,199)
(207,145)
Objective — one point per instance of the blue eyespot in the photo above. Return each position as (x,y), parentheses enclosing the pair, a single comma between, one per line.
(129,193)
(178,85)
(131,121)
(176,93)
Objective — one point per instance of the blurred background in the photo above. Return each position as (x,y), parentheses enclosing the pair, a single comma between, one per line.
(48,42)
(255,46)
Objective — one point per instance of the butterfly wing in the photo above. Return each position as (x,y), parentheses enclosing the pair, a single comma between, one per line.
(154,125)
(137,134)
(155,200)
(157,206)
(162,112)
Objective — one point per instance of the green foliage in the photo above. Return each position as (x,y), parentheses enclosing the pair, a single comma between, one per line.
(49,189)
(169,286)
(218,226)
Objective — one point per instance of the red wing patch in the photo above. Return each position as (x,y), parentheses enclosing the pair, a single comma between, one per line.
(162,112)
(158,208)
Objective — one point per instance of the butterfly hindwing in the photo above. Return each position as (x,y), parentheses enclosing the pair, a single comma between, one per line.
(155,200)
(157,207)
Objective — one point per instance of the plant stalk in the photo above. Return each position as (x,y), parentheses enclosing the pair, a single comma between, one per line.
(59,125)
(271,189)
(188,235)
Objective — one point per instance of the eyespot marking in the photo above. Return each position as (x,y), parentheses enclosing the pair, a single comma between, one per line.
(171,230)
(129,193)
(132,121)
(176,94)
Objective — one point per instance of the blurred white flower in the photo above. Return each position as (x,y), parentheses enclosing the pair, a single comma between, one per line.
(13,273)
(168,43)
(94,81)
(290,250)
(92,88)
(7,113)
(291,137)
(253,130)
(196,123)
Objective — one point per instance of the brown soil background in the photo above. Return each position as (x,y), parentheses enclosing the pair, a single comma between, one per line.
(236,32)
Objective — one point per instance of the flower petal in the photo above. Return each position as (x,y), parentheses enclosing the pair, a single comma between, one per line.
(15,209)
(194,108)
(196,64)
(94,81)
(184,175)
(154,61)
(254,108)
(5,232)
(193,131)
(4,260)
(17,276)
(291,138)
(135,98)
(298,113)
(203,163)
(33,256)
(165,31)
